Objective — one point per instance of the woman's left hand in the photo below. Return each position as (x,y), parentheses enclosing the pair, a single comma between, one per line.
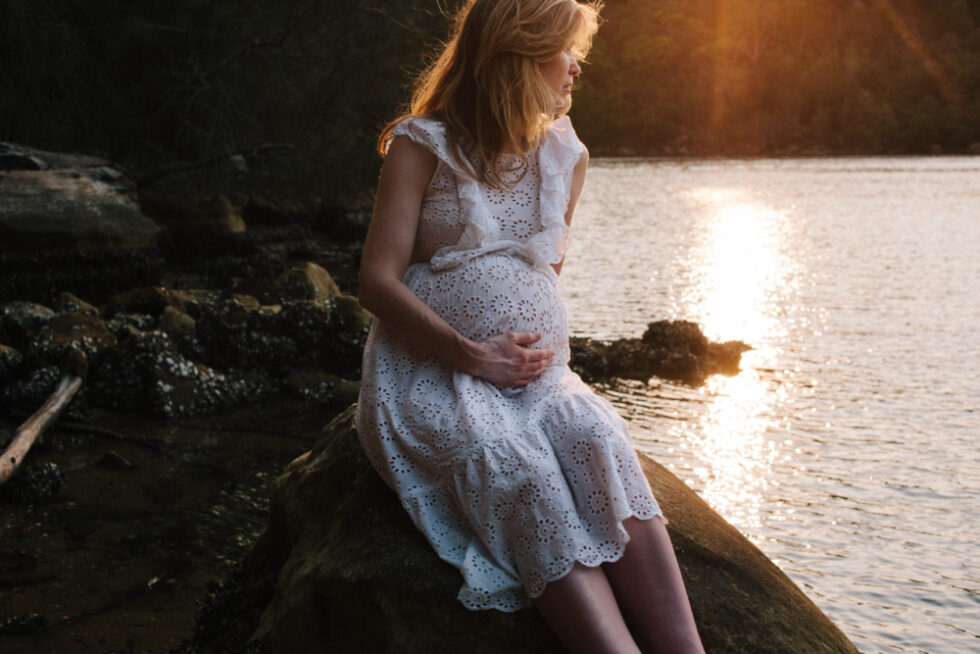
(506,360)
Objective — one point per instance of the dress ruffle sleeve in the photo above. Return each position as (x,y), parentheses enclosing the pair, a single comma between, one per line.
(558,154)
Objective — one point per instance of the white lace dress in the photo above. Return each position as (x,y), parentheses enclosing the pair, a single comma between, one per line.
(511,486)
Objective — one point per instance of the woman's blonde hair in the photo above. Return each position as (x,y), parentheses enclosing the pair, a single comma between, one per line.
(486,85)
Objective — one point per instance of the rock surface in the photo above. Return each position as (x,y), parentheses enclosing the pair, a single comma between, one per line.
(198,216)
(51,201)
(175,353)
(355,575)
(670,349)
(70,222)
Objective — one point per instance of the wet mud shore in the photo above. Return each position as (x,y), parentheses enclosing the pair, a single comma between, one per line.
(119,558)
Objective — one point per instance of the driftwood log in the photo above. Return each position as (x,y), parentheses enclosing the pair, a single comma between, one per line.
(25,436)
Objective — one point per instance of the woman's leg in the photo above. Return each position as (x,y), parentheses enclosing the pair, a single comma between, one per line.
(648,586)
(581,609)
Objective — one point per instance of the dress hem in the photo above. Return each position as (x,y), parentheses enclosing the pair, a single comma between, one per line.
(565,571)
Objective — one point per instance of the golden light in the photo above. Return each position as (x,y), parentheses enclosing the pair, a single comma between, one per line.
(915,44)
(739,266)
(740,270)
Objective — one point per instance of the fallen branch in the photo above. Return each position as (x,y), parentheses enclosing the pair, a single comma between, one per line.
(34,426)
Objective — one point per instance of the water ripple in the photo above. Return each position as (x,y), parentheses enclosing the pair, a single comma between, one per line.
(846,447)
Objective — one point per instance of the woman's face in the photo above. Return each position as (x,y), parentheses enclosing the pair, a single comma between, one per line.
(560,72)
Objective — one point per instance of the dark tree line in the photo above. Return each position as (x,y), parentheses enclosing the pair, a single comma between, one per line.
(296,90)
(764,76)
(290,95)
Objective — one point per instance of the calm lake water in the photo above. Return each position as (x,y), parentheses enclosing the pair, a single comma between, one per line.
(847,448)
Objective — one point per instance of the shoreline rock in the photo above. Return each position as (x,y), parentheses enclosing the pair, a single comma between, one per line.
(55,201)
(353,574)
(676,350)
(178,353)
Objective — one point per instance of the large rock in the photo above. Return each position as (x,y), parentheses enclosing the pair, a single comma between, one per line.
(70,222)
(354,574)
(70,208)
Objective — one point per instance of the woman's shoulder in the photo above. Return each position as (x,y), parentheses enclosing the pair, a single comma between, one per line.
(563,132)
(424,130)
(562,147)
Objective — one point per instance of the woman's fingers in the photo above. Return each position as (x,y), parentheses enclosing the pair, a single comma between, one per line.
(509,362)
(524,338)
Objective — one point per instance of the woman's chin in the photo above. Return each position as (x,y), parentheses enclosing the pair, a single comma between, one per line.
(563,104)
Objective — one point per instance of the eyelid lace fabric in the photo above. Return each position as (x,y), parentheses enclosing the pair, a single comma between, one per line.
(510,486)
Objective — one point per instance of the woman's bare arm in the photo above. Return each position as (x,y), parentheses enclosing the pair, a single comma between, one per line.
(387,252)
(578,183)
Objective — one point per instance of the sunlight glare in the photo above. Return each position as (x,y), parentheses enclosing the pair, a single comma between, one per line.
(739,270)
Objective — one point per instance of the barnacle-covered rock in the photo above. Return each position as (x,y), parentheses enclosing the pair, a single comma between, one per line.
(236,334)
(279,339)
(26,395)
(22,625)
(147,373)
(125,325)
(153,300)
(320,386)
(21,320)
(70,302)
(71,330)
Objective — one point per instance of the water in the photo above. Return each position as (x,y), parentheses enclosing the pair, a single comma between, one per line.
(846,448)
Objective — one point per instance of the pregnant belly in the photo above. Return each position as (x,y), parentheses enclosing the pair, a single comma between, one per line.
(494,294)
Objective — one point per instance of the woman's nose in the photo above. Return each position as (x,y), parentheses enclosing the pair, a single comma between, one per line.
(574,69)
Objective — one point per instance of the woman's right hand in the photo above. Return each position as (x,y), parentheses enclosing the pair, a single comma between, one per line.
(506,360)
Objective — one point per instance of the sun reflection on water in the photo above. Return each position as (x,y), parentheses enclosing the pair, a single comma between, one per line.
(739,270)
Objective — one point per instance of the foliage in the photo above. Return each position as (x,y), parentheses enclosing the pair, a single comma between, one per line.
(154,84)
(763,76)
(300,88)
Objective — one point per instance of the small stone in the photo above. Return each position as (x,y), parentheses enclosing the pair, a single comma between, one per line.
(210,214)
(69,302)
(177,323)
(307,282)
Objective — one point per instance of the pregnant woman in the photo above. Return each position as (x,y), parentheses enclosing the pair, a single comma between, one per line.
(517,474)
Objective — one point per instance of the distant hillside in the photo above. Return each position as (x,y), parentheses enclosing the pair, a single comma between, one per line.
(782,76)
